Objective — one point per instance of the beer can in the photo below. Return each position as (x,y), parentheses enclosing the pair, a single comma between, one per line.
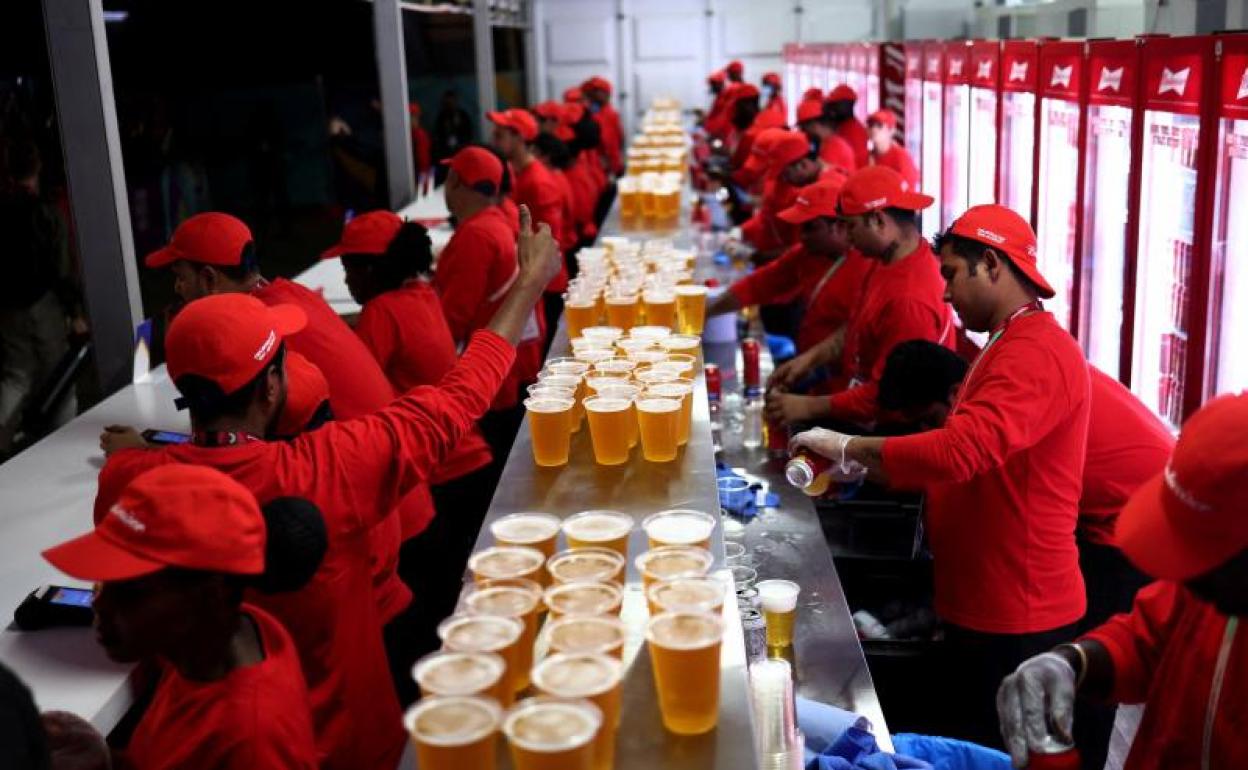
(1054,754)
(777,439)
(751,376)
(754,627)
(714,383)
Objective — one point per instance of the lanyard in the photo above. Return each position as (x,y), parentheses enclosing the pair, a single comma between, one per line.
(219,438)
(1022,312)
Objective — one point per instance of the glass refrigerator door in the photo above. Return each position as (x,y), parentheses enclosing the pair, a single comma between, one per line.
(982,184)
(932,121)
(858,82)
(914,118)
(1163,283)
(1017,142)
(1230,261)
(957,148)
(1105,233)
(1057,214)
(873,91)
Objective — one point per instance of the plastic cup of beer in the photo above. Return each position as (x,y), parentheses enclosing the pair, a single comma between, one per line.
(453,732)
(691,308)
(658,422)
(598,380)
(584,598)
(600,634)
(600,565)
(686,594)
(605,336)
(550,429)
(540,390)
(681,343)
(596,678)
(649,375)
(630,345)
(630,204)
(578,344)
(551,734)
(647,356)
(779,601)
(501,562)
(520,599)
(580,311)
(447,672)
(675,388)
(487,633)
(615,366)
(659,307)
(670,562)
(651,332)
(684,361)
(622,389)
(679,526)
(609,428)
(569,366)
(600,529)
(622,310)
(684,650)
(572,382)
(534,530)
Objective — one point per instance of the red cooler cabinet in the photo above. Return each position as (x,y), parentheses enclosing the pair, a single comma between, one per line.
(914,103)
(957,131)
(1057,173)
(1019,67)
(985,75)
(1226,369)
(933,123)
(1107,220)
(1170,268)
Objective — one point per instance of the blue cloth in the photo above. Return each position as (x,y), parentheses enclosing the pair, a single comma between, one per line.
(748,508)
(782,348)
(950,754)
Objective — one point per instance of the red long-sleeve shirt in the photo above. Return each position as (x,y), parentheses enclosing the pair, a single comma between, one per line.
(1002,479)
(855,133)
(612,130)
(355,471)
(1165,655)
(255,718)
(408,335)
(475,270)
(1127,446)
(898,159)
(903,300)
(828,288)
(537,188)
(569,233)
(764,230)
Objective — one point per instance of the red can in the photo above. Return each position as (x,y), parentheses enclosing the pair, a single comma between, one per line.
(714,383)
(777,439)
(751,377)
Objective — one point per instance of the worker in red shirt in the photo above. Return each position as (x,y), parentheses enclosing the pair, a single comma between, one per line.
(475,270)
(886,151)
(791,165)
(715,121)
(903,299)
(840,106)
(422,150)
(170,559)
(554,154)
(1180,651)
(597,92)
(773,97)
(735,71)
(226,359)
(814,121)
(762,120)
(821,272)
(1003,476)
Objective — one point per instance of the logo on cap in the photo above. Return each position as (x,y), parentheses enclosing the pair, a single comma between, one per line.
(266,347)
(802,201)
(990,235)
(1018,71)
(955,66)
(1111,80)
(875,203)
(1243,86)
(1061,76)
(985,69)
(1173,81)
(127,518)
(1172,482)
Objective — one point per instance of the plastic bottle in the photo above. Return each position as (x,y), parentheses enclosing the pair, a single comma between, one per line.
(809,473)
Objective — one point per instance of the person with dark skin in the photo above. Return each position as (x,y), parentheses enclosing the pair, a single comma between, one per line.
(840,107)
(452,131)
(814,120)
(172,560)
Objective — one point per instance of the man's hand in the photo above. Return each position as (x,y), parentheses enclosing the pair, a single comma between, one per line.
(118,437)
(788,408)
(537,251)
(830,444)
(791,372)
(1038,697)
(73,743)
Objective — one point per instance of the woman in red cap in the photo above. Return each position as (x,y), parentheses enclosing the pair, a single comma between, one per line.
(597,91)
(815,121)
(886,151)
(773,97)
(172,559)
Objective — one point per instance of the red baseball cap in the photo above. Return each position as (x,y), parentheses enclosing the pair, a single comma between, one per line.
(809,109)
(306,390)
(520,121)
(879,187)
(884,117)
(717,76)
(573,94)
(188,516)
(1003,229)
(786,149)
(1189,519)
(760,152)
(813,93)
(369,233)
(476,164)
(572,113)
(211,238)
(549,110)
(772,78)
(814,200)
(413,109)
(596,83)
(735,68)
(743,91)
(228,338)
(842,93)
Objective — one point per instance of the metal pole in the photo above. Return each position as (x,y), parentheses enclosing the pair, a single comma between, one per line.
(483,42)
(392,80)
(82,82)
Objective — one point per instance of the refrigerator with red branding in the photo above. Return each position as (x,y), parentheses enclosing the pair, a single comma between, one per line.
(838,65)
(856,77)
(1107,221)
(901,89)
(1019,67)
(872,98)
(913,97)
(1171,258)
(1058,169)
(957,131)
(933,125)
(1226,364)
(985,78)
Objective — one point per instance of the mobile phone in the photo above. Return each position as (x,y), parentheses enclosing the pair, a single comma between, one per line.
(50,605)
(165,437)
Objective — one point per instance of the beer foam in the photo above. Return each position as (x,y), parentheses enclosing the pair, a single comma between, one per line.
(680,594)
(585,633)
(777,595)
(549,726)
(679,527)
(452,721)
(684,630)
(601,404)
(458,673)
(658,405)
(576,675)
(586,598)
(579,565)
(691,290)
(598,525)
(510,601)
(480,632)
(676,564)
(525,528)
(506,561)
(547,404)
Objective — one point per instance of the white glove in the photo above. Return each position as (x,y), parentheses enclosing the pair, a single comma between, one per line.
(1038,698)
(831,445)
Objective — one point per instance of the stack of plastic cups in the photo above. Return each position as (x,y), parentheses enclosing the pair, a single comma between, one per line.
(780,744)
